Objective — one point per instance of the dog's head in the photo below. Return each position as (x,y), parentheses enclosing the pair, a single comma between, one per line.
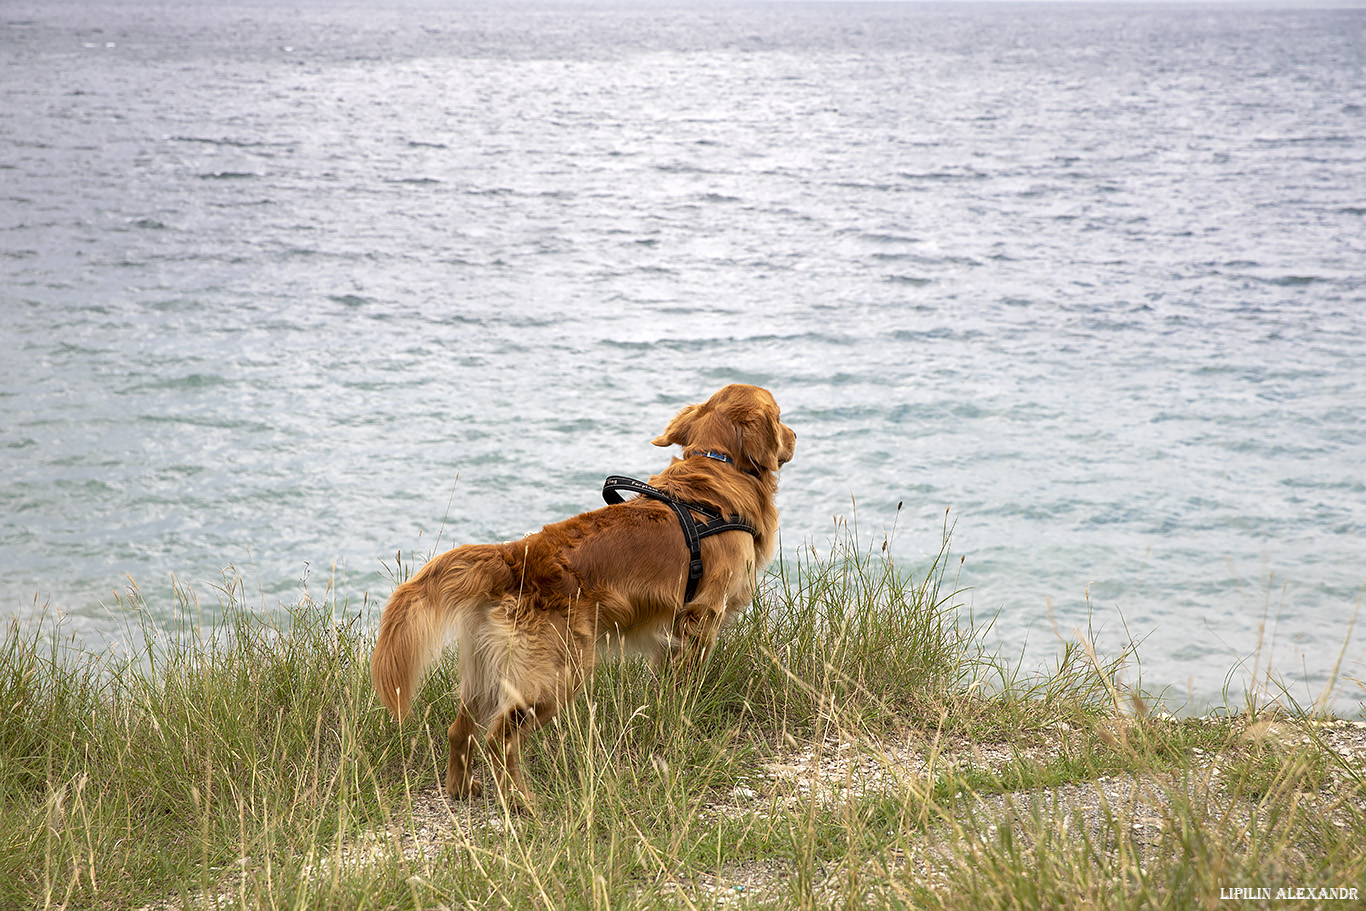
(741,421)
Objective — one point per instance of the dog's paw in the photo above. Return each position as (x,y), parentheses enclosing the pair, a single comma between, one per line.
(469,789)
(524,805)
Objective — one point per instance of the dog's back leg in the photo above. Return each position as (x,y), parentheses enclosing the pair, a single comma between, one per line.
(560,671)
(505,753)
(460,781)
(505,748)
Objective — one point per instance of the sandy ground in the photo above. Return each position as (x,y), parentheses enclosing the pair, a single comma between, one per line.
(834,771)
(831,772)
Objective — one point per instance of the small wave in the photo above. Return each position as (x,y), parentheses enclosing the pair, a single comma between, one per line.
(190,381)
(902,257)
(229,175)
(967,410)
(1113,514)
(1345,486)
(419,144)
(668,344)
(78,350)
(92,485)
(913,280)
(414,180)
(229,143)
(678,167)
(349,300)
(1334,138)
(877,187)
(944,174)
(913,335)
(206,421)
(737,375)
(882,237)
(809,338)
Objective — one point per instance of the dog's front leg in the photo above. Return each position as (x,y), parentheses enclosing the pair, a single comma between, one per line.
(694,635)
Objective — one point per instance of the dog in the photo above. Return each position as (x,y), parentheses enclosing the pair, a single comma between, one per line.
(532,617)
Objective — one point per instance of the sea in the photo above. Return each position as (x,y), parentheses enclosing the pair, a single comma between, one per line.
(294,294)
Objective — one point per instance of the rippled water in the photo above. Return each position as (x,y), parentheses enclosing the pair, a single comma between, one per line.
(293,287)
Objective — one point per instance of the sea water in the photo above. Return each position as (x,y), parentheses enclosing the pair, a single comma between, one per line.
(288,288)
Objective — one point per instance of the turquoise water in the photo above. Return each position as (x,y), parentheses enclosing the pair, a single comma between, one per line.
(294,287)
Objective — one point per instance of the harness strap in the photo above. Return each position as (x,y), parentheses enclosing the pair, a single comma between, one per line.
(692,532)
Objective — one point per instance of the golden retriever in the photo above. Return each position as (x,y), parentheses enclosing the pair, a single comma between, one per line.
(531,617)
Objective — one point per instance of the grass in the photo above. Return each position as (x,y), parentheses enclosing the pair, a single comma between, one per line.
(849,744)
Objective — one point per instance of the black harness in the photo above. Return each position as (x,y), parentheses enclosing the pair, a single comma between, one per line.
(692,532)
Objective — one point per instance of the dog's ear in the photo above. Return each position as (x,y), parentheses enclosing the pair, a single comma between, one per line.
(757,433)
(680,428)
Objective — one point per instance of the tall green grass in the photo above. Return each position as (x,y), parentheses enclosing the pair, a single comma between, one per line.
(126,777)
(248,765)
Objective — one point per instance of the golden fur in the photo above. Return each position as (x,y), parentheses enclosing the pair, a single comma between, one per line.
(532,616)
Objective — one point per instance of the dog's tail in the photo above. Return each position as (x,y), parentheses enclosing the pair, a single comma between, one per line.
(423,613)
